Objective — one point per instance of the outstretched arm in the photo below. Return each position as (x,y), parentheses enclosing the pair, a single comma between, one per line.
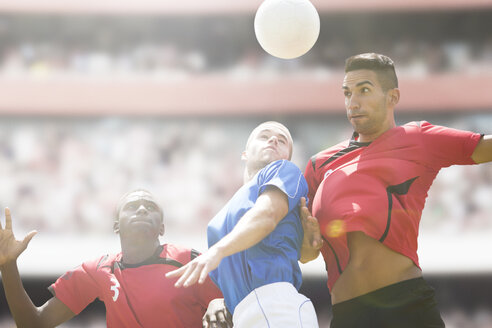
(312,242)
(483,151)
(24,312)
(270,207)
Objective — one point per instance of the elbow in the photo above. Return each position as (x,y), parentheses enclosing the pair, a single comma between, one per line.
(268,226)
(267,220)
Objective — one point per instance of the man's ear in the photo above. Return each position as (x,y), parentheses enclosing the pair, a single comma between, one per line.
(116,226)
(393,97)
(162,229)
(244,155)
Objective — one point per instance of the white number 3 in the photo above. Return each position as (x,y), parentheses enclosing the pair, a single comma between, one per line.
(114,288)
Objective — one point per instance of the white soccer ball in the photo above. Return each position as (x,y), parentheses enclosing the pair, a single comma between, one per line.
(287,28)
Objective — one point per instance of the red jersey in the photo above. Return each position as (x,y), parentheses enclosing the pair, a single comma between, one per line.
(379,188)
(138,295)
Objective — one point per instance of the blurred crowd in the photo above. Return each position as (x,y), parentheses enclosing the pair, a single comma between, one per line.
(179,47)
(414,58)
(66,175)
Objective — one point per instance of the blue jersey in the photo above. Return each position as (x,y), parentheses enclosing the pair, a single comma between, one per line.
(275,258)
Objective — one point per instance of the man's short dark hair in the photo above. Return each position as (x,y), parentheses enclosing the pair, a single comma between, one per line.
(382,65)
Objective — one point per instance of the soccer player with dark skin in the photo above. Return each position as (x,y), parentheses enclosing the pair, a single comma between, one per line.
(368,194)
(131,283)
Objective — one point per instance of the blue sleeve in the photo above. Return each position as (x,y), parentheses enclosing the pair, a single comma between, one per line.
(287,177)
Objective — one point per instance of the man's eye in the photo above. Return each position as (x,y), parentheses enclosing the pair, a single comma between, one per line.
(282,141)
(364,90)
(347,94)
(263,136)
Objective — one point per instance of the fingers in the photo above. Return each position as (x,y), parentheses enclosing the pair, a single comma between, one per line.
(189,274)
(229,319)
(304,211)
(27,239)
(8,219)
(184,277)
(203,275)
(175,273)
(210,321)
(189,277)
(182,273)
(317,243)
(217,315)
(193,276)
(221,318)
(205,322)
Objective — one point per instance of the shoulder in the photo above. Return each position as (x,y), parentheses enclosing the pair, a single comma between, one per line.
(319,158)
(178,253)
(279,169)
(426,128)
(284,175)
(102,263)
(417,126)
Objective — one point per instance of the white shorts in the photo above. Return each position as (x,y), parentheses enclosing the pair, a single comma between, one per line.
(277,305)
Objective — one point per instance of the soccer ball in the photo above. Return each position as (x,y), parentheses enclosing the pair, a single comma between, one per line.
(287,28)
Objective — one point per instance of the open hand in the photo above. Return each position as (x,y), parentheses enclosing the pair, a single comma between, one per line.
(196,270)
(10,248)
(312,232)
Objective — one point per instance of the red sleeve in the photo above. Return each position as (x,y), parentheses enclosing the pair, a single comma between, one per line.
(312,183)
(447,146)
(77,288)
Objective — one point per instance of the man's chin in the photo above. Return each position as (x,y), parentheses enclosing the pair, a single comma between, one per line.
(270,159)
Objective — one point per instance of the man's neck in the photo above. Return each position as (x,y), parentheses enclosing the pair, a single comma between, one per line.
(251,170)
(134,251)
(374,136)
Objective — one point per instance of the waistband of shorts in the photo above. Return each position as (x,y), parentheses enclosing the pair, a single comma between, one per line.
(271,289)
(381,295)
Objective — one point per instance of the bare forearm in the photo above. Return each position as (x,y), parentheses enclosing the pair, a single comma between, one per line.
(253,227)
(257,223)
(24,312)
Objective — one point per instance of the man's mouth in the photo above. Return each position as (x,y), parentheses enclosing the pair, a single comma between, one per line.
(140,219)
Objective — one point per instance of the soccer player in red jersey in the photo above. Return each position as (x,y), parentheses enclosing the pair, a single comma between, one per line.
(131,284)
(368,194)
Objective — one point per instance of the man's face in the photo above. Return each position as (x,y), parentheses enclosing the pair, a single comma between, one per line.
(268,143)
(139,212)
(366,104)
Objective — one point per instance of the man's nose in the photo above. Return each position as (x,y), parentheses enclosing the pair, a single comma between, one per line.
(273,139)
(352,103)
(141,208)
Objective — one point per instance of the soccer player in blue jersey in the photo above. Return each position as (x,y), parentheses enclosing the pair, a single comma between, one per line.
(256,239)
